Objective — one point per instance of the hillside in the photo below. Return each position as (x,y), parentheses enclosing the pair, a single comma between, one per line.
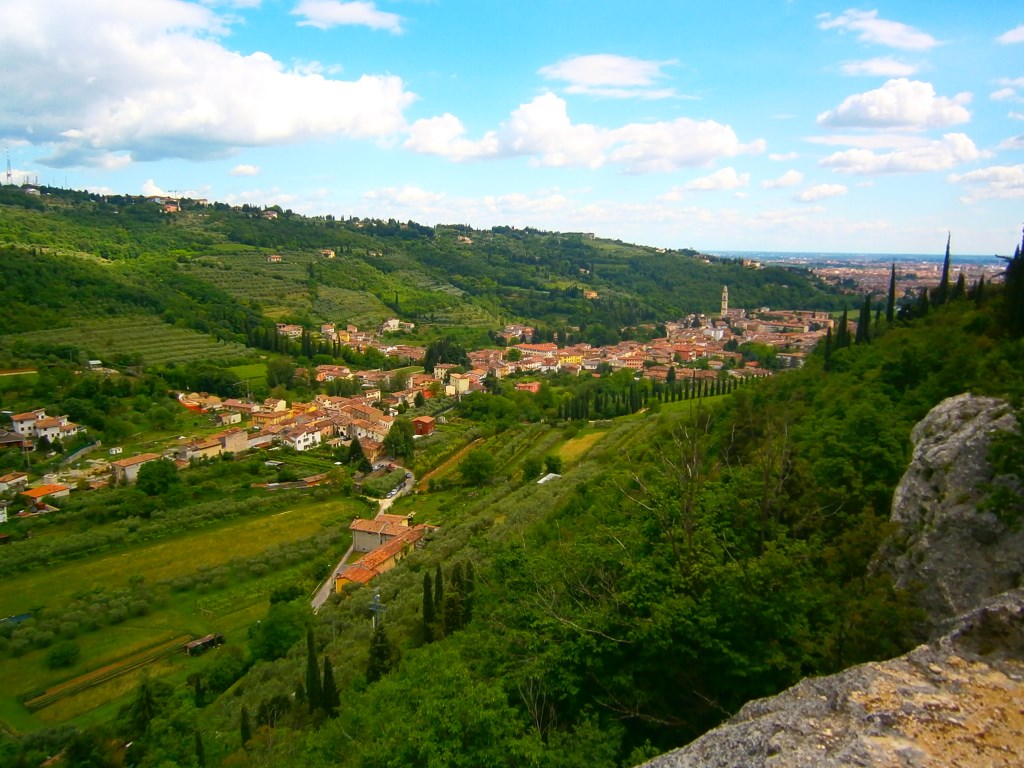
(72,254)
(690,550)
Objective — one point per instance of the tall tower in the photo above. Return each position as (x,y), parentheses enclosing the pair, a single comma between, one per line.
(725,300)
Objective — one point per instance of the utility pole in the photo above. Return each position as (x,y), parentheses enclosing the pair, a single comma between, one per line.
(377,608)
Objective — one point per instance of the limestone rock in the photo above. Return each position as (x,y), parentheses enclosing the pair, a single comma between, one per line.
(954,702)
(952,555)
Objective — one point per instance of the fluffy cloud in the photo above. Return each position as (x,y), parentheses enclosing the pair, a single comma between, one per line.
(406,197)
(997,181)
(325,14)
(871,29)
(1014,142)
(789,179)
(952,149)
(1002,94)
(879,67)
(542,130)
(780,157)
(1009,91)
(609,75)
(245,170)
(899,103)
(1015,35)
(820,192)
(727,178)
(151,81)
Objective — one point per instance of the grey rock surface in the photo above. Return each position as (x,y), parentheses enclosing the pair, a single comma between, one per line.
(948,552)
(958,701)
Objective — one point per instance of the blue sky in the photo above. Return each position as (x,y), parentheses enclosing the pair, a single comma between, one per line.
(737,125)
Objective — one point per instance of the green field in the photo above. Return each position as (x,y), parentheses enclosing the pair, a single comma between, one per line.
(229,610)
(253,374)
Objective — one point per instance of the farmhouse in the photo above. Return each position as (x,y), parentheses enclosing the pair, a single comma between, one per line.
(13,480)
(127,470)
(367,535)
(383,558)
(37,425)
(423,425)
(36,495)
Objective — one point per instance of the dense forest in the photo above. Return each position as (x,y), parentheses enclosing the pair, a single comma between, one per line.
(696,552)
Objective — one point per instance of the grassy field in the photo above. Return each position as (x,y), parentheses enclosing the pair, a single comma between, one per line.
(229,610)
(573,450)
(253,374)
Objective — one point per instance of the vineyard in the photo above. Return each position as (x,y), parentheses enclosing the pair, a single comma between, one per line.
(146,339)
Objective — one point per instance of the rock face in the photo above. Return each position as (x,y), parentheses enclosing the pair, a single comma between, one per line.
(950,554)
(954,702)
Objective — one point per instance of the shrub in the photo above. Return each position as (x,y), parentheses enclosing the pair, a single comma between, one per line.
(63,654)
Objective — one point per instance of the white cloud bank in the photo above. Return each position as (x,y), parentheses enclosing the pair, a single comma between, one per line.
(150,81)
(542,129)
(726,178)
(245,170)
(820,192)
(939,155)
(790,178)
(880,67)
(995,182)
(871,29)
(325,14)
(611,76)
(899,103)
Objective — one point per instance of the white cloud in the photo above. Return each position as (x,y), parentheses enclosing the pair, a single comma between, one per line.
(726,178)
(870,141)
(1015,35)
(1009,91)
(1014,142)
(1002,94)
(899,103)
(406,197)
(150,188)
(233,3)
(542,130)
(994,182)
(1016,115)
(789,179)
(245,170)
(611,76)
(880,67)
(783,157)
(952,149)
(151,81)
(871,29)
(820,192)
(325,14)
(445,136)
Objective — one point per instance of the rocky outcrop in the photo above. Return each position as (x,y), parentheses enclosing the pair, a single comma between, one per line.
(949,553)
(953,702)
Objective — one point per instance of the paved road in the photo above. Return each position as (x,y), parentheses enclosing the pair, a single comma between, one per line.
(326,589)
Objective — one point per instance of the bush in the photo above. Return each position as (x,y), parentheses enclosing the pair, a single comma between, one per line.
(63,654)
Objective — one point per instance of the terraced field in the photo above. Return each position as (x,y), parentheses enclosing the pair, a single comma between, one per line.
(154,341)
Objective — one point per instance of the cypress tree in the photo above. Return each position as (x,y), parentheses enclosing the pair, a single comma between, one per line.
(314,693)
(843,333)
(864,321)
(428,608)
(468,591)
(244,727)
(200,750)
(330,698)
(942,295)
(960,289)
(890,305)
(979,292)
(381,656)
(438,588)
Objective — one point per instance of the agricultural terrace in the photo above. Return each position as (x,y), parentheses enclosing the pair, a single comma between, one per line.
(152,340)
(192,588)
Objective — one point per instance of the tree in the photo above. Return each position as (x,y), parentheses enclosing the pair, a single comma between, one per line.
(155,478)
(890,304)
(280,372)
(942,292)
(244,727)
(200,750)
(478,467)
(282,627)
(357,458)
(399,440)
(843,332)
(314,691)
(329,690)
(428,608)
(438,587)
(382,655)
(532,467)
(63,654)
(553,464)
(864,322)
(420,399)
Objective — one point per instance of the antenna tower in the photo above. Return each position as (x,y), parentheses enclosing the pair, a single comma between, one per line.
(378,609)
(10,174)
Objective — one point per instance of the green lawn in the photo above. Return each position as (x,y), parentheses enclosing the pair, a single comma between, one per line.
(253,374)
